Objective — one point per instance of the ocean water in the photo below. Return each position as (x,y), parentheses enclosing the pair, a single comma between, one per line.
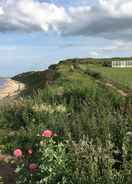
(2,82)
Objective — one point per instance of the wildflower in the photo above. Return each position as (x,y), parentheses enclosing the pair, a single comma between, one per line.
(30,151)
(55,135)
(43,108)
(47,133)
(42,143)
(60,108)
(129,133)
(33,167)
(48,108)
(17,153)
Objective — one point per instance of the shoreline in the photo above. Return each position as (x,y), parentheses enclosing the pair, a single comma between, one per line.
(11,88)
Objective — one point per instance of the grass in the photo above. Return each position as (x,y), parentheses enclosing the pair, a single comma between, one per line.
(121,76)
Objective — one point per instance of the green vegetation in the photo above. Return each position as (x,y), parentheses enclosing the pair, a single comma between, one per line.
(120,76)
(91,125)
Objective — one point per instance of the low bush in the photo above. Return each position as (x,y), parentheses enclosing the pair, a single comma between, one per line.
(93,74)
(56,161)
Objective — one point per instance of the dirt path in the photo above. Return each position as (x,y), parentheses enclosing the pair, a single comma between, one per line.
(7,173)
(11,88)
(120,91)
(110,85)
(7,170)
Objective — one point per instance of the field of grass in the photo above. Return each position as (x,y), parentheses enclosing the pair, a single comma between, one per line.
(121,76)
(91,126)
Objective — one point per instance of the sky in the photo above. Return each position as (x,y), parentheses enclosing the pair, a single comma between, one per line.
(37,33)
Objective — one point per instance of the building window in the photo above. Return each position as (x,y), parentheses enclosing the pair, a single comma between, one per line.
(122,64)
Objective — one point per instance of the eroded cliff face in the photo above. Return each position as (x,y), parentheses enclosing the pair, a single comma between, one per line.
(11,88)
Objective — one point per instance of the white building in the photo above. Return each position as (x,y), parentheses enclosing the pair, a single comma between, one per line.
(122,64)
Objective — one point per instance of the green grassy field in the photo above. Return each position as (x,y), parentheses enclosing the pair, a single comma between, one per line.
(121,76)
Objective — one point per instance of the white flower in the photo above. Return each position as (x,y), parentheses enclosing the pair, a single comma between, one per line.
(49,108)
(129,133)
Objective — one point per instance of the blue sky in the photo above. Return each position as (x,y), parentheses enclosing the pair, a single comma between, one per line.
(35,42)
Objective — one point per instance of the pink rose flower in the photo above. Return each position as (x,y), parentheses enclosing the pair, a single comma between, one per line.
(47,133)
(30,151)
(17,153)
(33,167)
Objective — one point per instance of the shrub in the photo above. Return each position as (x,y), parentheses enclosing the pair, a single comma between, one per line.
(93,74)
(49,163)
(64,162)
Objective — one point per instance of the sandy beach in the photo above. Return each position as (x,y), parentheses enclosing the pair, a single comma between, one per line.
(11,88)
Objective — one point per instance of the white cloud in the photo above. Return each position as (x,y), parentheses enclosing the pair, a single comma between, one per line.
(1,11)
(30,15)
(117,8)
(94,54)
(118,46)
(111,19)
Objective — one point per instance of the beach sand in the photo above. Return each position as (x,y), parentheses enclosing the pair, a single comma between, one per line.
(11,88)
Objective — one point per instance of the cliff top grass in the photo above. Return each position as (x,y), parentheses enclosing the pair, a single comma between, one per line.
(75,71)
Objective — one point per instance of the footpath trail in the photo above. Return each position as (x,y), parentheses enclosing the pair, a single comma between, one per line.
(108,84)
(112,86)
(7,170)
(120,91)
(7,173)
